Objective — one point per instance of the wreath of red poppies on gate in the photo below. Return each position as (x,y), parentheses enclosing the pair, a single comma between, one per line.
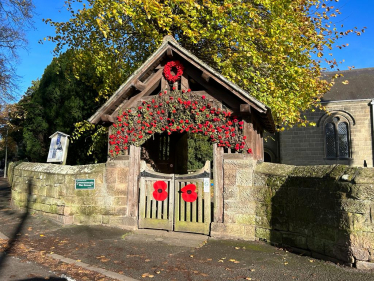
(178,70)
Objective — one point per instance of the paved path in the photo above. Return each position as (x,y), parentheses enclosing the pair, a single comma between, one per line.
(88,252)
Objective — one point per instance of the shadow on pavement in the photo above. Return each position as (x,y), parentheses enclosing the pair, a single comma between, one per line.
(14,237)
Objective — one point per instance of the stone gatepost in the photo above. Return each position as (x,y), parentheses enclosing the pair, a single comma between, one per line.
(239,205)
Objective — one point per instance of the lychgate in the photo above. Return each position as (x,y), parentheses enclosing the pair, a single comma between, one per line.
(176,120)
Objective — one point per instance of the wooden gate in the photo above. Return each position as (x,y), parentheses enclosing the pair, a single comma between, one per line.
(174,213)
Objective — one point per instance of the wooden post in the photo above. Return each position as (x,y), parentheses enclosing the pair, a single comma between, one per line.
(133,188)
(218,182)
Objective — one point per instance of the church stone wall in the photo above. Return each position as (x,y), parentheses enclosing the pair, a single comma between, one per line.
(305,145)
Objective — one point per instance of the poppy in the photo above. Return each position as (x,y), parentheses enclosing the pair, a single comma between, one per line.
(188,193)
(160,193)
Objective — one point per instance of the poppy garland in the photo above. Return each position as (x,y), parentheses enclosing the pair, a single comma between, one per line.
(167,71)
(189,193)
(160,193)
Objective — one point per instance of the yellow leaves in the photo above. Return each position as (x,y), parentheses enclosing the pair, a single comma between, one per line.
(345,82)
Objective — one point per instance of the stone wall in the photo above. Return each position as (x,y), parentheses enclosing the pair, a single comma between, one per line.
(325,210)
(322,211)
(305,145)
(49,190)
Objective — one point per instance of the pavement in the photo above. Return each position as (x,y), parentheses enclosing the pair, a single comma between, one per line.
(35,248)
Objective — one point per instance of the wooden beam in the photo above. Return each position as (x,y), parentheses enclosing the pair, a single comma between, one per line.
(245,109)
(219,81)
(213,90)
(139,85)
(151,85)
(205,76)
(169,52)
(164,84)
(107,118)
(184,82)
(218,182)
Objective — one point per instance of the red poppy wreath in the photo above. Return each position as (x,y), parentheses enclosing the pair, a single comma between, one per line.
(188,193)
(160,193)
(178,70)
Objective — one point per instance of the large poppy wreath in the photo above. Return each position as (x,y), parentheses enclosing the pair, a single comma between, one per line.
(160,193)
(189,193)
(178,70)
(176,111)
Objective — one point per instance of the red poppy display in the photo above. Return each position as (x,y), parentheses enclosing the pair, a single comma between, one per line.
(160,193)
(178,73)
(188,193)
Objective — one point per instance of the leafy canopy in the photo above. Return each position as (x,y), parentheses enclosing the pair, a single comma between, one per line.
(53,104)
(270,48)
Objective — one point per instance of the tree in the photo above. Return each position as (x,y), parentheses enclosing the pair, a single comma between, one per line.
(15,19)
(272,49)
(56,103)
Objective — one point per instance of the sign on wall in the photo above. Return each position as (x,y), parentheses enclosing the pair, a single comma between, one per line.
(58,150)
(85,184)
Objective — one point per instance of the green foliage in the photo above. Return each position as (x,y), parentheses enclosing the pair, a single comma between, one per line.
(199,151)
(56,104)
(272,49)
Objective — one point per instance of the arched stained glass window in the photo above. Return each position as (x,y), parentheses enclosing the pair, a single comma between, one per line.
(337,139)
(330,141)
(343,140)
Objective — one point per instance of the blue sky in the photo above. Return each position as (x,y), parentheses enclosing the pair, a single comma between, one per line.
(35,59)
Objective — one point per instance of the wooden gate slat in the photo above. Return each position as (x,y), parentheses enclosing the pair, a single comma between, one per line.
(182,203)
(194,205)
(148,214)
(200,203)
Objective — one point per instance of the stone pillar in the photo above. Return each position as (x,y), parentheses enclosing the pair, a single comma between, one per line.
(239,207)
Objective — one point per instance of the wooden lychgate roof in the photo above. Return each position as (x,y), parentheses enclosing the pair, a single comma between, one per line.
(148,78)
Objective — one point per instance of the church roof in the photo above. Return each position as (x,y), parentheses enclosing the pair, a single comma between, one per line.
(168,46)
(360,85)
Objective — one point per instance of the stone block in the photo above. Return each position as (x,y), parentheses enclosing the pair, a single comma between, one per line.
(244,177)
(353,206)
(228,230)
(68,220)
(122,175)
(274,169)
(362,239)
(240,207)
(342,253)
(263,233)
(87,219)
(120,211)
(364,265)
(122,187)
(123,221)
(111,175)
(120,201)
(315,244)
(238,164)
(230,193)
(229,178)
(363,191)
(294,240)
(247,219)
(364,176)
(360,253)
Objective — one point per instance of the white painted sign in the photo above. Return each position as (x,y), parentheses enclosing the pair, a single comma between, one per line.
(206,185)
